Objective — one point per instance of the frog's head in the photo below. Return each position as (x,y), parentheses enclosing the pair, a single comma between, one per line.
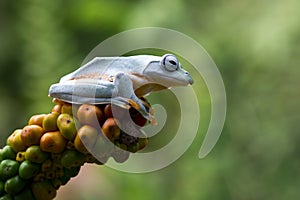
(167,72)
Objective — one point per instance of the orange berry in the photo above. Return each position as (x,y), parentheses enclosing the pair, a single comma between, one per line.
(57,108)
(16,142)
(85,138)
(90,115)
(53,142)
(31,134)
(37,120)
(110,129)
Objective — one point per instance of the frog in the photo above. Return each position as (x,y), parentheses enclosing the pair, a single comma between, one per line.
(122,80)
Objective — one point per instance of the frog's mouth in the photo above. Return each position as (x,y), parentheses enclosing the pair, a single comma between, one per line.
(148,88)
(171,81)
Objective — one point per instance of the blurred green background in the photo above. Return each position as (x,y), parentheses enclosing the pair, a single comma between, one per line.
(255,44)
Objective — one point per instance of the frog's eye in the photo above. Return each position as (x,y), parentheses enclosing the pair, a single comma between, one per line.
(170,62)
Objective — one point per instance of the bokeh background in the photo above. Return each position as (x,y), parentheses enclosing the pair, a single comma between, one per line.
(255,44)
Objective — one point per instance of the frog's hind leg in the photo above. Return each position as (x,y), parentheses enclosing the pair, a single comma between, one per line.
(83,91)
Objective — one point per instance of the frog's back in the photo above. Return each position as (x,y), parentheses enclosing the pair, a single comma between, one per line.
(101,67)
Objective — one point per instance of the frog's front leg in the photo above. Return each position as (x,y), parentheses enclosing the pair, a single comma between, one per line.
(125,92)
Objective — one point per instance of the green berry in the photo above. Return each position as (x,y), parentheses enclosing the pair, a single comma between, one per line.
(28,169)
(14,185)
(43,190)
(49,122)
(8,169)
(35,154)
(67,108)
(72,158)
(8,153)
(66,125)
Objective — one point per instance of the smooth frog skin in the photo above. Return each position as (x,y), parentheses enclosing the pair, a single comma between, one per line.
(121,81)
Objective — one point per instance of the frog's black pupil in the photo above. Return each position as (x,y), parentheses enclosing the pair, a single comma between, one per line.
(172,62)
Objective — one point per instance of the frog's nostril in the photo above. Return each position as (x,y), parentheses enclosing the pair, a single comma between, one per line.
(190,80)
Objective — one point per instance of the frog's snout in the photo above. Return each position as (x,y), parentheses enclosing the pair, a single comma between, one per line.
(189,78)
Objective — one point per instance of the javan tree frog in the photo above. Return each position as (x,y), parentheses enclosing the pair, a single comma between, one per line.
(121,81)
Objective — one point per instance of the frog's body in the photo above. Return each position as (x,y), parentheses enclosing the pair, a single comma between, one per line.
(121,80)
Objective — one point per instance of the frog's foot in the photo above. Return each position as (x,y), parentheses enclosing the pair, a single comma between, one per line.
(146,111)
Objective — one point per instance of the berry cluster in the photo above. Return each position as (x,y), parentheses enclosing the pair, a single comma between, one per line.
(51,148)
